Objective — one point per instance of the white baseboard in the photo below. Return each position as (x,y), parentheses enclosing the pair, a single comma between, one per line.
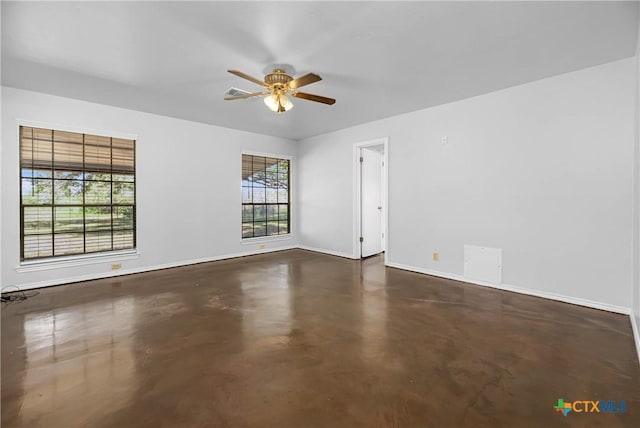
(635,326)
(102,275)
(111,274)
(506,287)
(515,289)
(330,252)
(635,322)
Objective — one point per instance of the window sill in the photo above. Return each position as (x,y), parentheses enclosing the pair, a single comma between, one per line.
(79,260)
(263,239)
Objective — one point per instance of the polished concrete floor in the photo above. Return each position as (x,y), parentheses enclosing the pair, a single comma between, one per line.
(301,339)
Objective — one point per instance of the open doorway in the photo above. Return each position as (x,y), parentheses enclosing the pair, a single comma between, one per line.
(371,211)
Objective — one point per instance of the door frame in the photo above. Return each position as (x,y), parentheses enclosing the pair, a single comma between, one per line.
(357,248)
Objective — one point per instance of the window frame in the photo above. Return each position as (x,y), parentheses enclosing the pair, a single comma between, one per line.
(269,238)
(78,259)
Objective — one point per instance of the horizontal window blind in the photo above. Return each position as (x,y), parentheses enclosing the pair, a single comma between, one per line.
(77,193)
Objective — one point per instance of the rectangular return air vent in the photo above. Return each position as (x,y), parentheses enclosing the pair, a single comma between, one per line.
(483,264)
(234,92)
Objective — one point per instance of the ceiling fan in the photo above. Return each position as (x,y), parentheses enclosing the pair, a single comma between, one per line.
(279,84)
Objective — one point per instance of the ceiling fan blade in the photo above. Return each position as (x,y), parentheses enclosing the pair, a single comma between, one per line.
(316,98)
(246,76)
(240,97)
(307,79)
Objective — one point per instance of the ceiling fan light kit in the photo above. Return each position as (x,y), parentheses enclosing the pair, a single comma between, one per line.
(279,84)
(278,103)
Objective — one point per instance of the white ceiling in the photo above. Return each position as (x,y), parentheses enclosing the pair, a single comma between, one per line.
(378,59)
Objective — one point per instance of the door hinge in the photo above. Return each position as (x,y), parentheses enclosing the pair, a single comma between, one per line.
(361,159)
(361,239)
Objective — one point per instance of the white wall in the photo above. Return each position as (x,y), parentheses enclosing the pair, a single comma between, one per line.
(636,203)
(326,202)
(542,170)
(637,180)
(188,184)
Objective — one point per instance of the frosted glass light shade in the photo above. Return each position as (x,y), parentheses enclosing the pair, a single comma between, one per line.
(278,103)
(286,103)
(271,102)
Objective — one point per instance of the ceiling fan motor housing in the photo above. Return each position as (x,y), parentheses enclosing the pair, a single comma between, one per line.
(277,77)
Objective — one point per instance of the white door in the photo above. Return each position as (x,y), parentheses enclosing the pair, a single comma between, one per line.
(371,201)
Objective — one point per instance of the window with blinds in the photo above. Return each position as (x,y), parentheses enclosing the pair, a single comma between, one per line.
(265,196)
(78,193)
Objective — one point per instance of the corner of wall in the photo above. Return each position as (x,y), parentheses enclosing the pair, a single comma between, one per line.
(635,305)
(1,199)
(635,326)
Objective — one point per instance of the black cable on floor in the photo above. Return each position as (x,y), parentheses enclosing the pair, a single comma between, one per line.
(16,295)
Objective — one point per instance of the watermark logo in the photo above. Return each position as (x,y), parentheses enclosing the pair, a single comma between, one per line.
(589,406)
(563,407)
